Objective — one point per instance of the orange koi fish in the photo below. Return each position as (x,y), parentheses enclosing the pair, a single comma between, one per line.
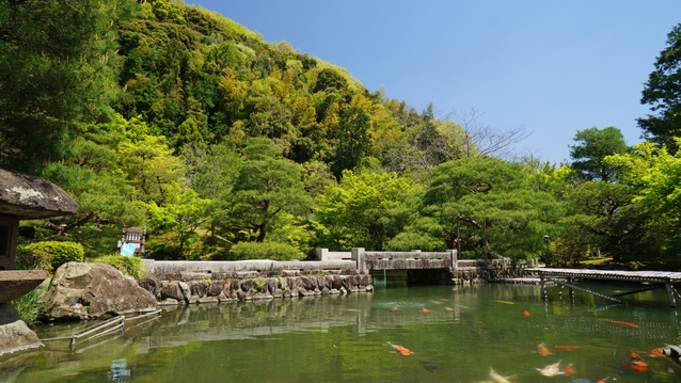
(634,325)
(568,348)
(542,350)
(400,349)
(424,310)
(656,352)
(637,363)
(526,313)
(568,370)
(603,380)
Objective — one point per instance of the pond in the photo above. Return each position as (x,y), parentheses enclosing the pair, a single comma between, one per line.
(453,334)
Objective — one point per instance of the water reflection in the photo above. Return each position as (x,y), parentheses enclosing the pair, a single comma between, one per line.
(460,333)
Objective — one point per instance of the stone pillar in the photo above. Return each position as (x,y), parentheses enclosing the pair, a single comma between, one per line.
(455,259)
(322,254)
(9,230)
(14,333)
(358,257)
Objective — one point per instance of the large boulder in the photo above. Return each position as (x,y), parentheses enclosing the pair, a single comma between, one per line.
(90,290)
(14,333)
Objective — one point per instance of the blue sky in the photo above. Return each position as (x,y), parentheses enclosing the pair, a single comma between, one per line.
(552,67)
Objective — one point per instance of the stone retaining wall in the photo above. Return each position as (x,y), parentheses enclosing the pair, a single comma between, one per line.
(186,283)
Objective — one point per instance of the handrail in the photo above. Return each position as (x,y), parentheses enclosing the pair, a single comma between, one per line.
(105,327)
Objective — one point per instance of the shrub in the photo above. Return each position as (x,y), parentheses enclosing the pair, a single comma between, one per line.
(56,253)
(131,266)
(29,307)
(264,250)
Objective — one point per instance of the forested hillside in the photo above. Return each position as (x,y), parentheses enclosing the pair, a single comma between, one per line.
(174,118)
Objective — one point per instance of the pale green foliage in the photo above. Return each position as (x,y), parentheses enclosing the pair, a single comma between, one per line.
(264,250)
(178,220)
(655,175)
(365,209)
(150,167)
(56,252)
(130,266)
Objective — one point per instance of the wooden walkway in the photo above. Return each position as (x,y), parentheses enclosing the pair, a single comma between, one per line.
(650,280)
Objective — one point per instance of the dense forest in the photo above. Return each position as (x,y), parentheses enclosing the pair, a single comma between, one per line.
(172,117)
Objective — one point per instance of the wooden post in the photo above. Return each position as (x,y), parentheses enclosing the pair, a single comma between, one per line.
(670,294)
(542,283)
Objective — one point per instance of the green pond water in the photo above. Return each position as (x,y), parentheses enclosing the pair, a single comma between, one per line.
(465,331)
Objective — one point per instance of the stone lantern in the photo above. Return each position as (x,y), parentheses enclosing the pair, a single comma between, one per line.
(22,196)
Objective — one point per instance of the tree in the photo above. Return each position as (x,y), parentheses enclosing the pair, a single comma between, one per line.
(655,175)
(662,92)
(365,209)
(266,185)
(56,61)
(593,146)
(485,206)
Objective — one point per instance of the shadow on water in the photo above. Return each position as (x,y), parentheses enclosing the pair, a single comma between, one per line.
(453,334)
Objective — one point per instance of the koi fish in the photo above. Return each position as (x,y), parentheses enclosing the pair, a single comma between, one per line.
(526,313)
(432,368)
(637,363)
(506,302)
(551,370)
(496,377)
(629,324)
(395,308)
(444,299)
(568,348)
(656,352)
(436,302)
(353,310)
(673,353)
(603,380)
(400,349)
(424,310)
(568,370)
(449,309)
(542,350)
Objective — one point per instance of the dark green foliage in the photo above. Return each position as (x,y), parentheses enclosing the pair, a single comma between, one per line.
(662,93)
(56,61)
(264,250)
(57,252)
(593,145)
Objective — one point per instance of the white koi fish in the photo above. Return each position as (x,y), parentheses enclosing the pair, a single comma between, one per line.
(496,377)
(551,370)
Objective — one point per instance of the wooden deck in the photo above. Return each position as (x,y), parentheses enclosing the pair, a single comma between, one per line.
(650,280)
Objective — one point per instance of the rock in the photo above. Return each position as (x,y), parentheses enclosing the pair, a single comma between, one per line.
(272,285)
(343,291)
(370,288)
(151,284)
(172,290)
(240,295)
(186,291)
(14,333)
(169,302)
(199,288)
(337,282)
(334,291)
(215,289)
(209,299)
(309,283)
(247,284)
(90,290)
